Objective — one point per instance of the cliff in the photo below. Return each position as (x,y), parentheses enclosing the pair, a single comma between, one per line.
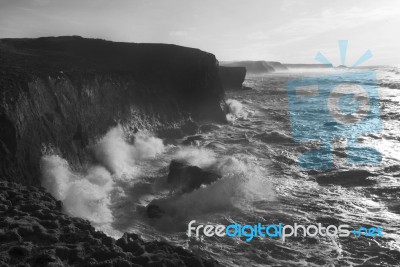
(257,67)
(308,66)
(68,91)
(232,77)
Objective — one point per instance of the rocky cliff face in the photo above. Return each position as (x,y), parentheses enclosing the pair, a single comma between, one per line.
(67,91)
(232,77)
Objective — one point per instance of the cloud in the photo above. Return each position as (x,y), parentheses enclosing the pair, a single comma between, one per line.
(330,19)
(305,30)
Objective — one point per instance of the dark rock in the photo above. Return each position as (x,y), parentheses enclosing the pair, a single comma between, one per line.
(155,264)
(43,259)
(74,242)
(70,90)
(187,178)
(31,207)
(3,207)
(232,77)
(346,178)
(130,242)
(19,251)
(141,260)
(182,252)
(10,236)
(151,247)
(192,261)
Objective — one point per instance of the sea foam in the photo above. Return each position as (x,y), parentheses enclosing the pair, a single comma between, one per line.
(242,183)
(87,193)
(236,110)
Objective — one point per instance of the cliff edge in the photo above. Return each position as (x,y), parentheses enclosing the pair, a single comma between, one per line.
(67,91)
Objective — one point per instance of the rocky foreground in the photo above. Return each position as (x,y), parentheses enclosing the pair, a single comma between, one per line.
(35,232)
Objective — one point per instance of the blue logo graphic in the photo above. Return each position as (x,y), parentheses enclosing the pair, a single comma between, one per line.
(327,108)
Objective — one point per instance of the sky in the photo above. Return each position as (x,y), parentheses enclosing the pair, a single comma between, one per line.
(289,31)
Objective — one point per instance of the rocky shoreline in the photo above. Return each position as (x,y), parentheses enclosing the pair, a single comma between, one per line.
(35,232)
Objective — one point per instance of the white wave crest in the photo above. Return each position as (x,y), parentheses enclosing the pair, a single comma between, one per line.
(83,196)
(235,107)
(242,183)
(87,194)
(236,110)
(200,157)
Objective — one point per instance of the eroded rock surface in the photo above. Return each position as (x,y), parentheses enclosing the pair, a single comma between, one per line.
(35,232)
(185,178)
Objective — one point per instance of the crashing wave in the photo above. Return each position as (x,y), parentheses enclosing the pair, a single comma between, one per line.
(87,193)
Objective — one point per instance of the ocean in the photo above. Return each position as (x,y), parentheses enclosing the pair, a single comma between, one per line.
(262,181)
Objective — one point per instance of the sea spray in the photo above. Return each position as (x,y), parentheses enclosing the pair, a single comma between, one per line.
(56,175)
(113,152)
(117,155)
(236,110)
(235,107)
(108,188)
(200,157)
(88,194)
(146,146)
(83,196)
(242,183)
